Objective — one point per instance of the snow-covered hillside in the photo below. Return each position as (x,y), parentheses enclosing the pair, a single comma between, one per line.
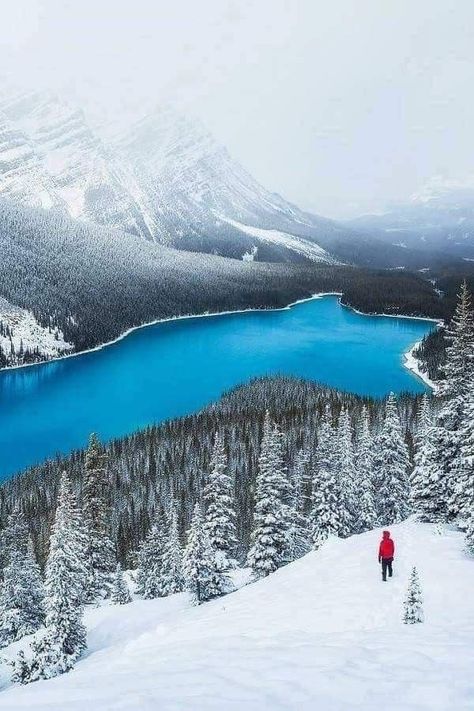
(322,633)
(21,332)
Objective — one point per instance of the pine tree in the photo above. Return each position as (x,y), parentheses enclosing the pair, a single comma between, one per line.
(120,592)
(462,482)
(413,607)
(220,508)
(428,491)
(202,577)
(299,532)
(300,481)
(391,468)
(172,560)
(459,371)
(150,560)
(325,498)
(102,560)
(21,596)
(270,536)
(346,475)
(364,477)
(459,368)
(470,533)
(66,574)
(464,490)
(14,536)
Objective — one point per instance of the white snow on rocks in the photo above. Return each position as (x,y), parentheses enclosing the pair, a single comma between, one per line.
(323,633)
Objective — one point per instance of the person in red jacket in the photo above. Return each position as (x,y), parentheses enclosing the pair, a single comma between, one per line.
(386,554)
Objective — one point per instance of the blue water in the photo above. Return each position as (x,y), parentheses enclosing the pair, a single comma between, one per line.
(175,368)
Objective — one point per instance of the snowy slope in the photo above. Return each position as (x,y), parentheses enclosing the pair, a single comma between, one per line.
(322,633)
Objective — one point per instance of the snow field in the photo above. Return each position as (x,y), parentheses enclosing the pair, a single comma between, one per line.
(322,633)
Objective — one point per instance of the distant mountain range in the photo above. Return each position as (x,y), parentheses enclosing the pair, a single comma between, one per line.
(439,218)
(167,180)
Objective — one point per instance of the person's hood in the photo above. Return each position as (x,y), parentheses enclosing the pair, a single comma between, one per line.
(386,534)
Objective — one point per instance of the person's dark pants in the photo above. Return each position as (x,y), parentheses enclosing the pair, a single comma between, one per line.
(387,565)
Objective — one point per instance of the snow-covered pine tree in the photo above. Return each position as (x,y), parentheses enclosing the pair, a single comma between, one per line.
(299,532)
(391,468)
(14,536)
(428,493)
(462,490)
(202,577)
(413,606)
(102,559)
(459,372)
(470,533)
(120,592)
(300,481)
(21,596)
(364,477)
(270,535)
(150,559)
(459,368)
(172,560)
(325,511)
(220,518)
(346,475)
(66,574)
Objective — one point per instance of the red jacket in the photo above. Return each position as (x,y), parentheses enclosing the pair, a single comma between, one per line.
(387,546)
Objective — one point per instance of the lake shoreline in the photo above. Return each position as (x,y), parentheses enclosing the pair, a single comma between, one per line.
(410,361)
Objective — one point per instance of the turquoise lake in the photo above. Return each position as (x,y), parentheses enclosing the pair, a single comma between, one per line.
(174,368)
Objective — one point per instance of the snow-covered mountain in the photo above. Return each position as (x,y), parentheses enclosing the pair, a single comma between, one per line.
(164,178)
(322,633)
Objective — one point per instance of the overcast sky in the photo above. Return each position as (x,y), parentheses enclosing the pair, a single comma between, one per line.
(342,106)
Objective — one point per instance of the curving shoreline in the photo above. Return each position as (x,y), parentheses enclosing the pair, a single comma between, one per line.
(167,319)
(409,360)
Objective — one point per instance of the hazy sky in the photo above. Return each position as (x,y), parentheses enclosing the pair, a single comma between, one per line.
(341,105)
